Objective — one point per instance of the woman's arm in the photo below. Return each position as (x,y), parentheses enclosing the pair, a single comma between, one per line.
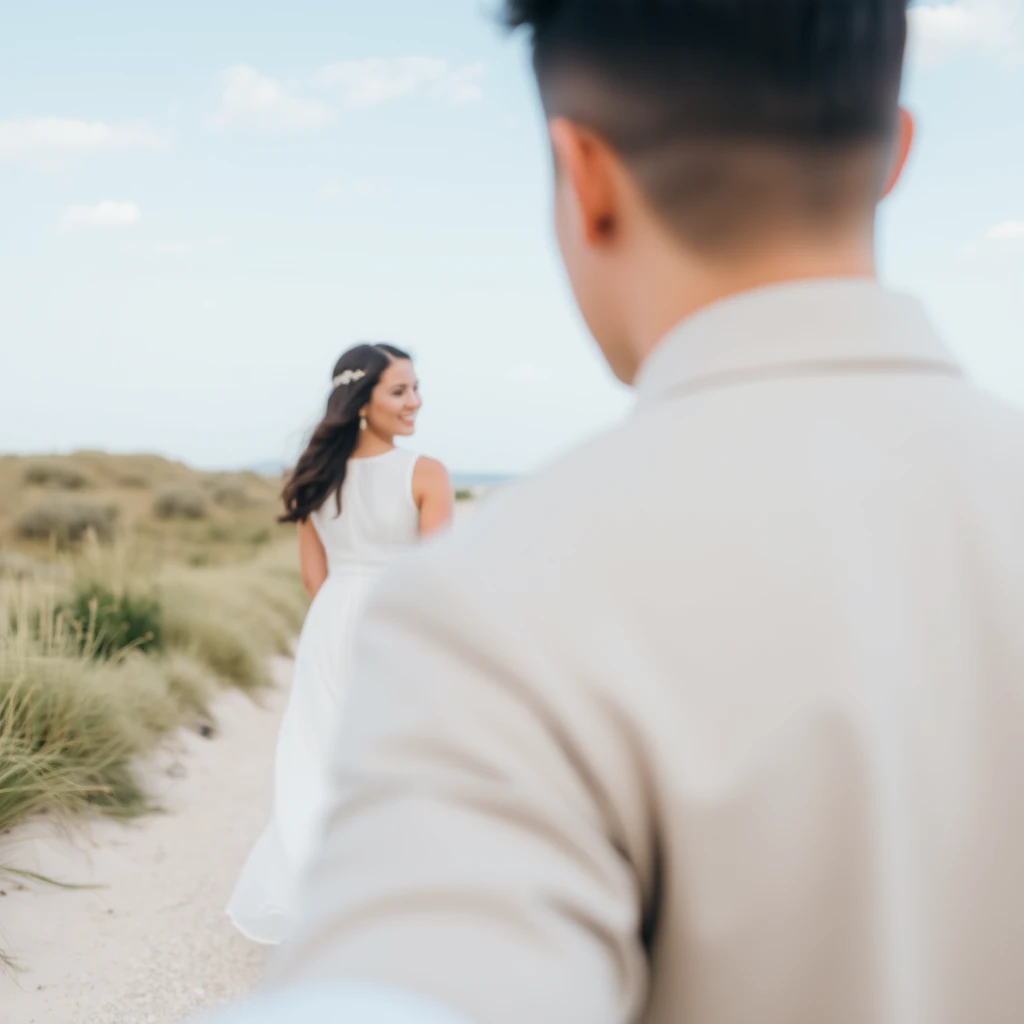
(432,491)
(312,558)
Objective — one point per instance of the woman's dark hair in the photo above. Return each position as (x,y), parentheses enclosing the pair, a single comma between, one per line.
(321,470)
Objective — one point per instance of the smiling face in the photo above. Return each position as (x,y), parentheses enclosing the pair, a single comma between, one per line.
(395,402)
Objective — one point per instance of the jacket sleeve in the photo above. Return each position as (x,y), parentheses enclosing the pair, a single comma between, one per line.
(469,853)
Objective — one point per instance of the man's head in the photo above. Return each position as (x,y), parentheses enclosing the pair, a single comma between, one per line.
(704,140)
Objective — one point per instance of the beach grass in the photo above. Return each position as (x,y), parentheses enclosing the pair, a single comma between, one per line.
(84,692)
(109,643)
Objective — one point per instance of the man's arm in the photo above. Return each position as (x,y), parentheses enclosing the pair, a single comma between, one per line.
(469,855)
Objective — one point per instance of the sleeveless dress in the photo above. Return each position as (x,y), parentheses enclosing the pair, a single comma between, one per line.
(378,520)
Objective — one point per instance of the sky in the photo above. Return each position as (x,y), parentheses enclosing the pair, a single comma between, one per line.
(202,204)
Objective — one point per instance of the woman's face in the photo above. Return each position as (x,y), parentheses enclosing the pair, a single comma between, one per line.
(395,402)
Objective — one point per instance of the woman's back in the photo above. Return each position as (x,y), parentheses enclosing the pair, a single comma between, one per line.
(379,518)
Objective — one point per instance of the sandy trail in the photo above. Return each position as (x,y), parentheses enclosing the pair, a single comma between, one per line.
(152,946)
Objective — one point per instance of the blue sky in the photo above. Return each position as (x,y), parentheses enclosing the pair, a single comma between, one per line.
(203,203)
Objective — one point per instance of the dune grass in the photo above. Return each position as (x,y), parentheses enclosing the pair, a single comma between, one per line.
(169,511)
(83,694)
(115,634)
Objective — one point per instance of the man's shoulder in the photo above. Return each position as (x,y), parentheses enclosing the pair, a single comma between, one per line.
(573,495)
(534,526)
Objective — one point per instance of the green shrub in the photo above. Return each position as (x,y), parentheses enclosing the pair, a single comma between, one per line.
(133,481)
(57,475)
(232,496)
(68,522)
(110,623)
(180,503)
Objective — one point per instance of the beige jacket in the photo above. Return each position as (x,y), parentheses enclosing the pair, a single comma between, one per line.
(718,721)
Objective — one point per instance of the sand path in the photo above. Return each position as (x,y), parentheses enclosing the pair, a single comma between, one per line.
(152,946)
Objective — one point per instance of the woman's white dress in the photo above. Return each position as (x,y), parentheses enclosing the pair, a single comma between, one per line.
(378,520)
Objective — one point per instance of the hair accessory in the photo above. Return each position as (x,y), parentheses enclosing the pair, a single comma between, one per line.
(348,377)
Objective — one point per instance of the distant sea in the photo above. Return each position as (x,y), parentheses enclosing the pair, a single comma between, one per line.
(479,479)
(458,479)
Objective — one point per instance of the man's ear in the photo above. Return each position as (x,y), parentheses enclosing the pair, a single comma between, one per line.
(904,144)
(584,164)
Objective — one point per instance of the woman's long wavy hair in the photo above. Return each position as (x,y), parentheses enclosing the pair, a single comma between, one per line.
(320,472)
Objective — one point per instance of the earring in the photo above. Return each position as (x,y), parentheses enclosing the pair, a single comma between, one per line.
(362,422)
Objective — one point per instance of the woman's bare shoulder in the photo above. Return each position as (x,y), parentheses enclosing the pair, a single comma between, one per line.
(430,473)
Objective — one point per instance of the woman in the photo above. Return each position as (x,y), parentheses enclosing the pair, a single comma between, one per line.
(358,501)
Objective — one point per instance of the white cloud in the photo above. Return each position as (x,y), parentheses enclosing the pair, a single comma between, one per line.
(101,215)
(369,83)
(354,190)
(986,28)
(46,141)
(259,103)
(1008,231)
(462,85)
(1007,237)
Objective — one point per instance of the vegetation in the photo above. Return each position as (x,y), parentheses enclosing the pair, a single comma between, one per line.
(232,496)
(109,623)
(66,523)
(15,566)
(133,480)
(115,634)
(127,490)
(56,475)
(180,503)
(96,673)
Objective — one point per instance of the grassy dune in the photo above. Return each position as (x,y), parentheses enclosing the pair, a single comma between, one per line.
(168,511)
(115,633)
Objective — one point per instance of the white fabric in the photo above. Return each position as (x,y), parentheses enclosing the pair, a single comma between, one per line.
(340,1004)
(378,520)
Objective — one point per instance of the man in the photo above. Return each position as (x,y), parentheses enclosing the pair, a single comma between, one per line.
(721,719)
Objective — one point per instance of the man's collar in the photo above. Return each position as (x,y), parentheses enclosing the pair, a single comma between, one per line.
(830,326)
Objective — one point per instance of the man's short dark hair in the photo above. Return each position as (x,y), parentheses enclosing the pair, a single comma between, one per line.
(729,109)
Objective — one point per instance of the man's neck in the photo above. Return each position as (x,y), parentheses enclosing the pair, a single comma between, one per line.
(681,292)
